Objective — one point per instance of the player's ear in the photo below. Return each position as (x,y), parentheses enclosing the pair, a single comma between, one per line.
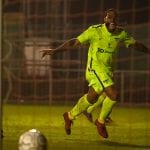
(105,19)
(104,16)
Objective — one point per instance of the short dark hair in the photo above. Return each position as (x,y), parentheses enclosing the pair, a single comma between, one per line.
(113,10)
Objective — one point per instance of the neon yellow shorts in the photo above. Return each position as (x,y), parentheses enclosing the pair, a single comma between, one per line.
(99,80)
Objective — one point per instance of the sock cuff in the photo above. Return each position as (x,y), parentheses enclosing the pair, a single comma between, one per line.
(101,121)
(70,116)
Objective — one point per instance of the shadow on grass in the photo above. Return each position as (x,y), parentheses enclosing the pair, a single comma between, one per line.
(127,145)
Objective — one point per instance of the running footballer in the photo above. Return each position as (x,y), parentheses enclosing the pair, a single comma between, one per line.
(104,41)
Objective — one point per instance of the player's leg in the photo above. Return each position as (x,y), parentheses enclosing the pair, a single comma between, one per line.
(97,80)
(90,109)
(96,104)
(107,106)
(93,82)
(108,103)
(83,103)
(88,113)
(107,82)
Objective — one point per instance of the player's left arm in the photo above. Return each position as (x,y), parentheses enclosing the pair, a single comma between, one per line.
(140,47)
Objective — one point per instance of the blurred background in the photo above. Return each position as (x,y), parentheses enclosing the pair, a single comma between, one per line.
(31,25)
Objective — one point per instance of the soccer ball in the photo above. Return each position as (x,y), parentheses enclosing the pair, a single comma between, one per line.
(32,140)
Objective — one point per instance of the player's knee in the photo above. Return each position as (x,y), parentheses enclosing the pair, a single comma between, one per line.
(112,94)
(92,96)
(92,99)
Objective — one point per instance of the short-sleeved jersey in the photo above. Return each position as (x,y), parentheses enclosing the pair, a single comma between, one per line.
(103,45)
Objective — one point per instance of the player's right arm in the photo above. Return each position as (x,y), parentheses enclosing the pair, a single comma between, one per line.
(69,44)
(83,38)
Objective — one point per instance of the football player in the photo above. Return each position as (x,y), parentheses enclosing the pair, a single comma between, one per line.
(104,41)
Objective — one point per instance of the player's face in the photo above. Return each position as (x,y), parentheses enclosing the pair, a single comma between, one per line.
(111,21)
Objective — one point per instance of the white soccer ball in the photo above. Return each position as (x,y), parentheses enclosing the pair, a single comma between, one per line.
(32,140)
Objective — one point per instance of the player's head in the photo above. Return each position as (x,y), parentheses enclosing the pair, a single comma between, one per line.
(110,18)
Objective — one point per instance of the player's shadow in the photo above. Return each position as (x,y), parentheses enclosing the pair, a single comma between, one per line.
(127,145)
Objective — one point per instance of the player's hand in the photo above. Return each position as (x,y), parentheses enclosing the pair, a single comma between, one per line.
(47,52)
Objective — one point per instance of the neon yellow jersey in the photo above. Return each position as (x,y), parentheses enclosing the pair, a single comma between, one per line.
(103,45)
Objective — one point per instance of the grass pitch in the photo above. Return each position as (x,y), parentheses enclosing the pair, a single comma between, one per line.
(130,130)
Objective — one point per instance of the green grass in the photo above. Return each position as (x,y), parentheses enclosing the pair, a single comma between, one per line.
(130,130)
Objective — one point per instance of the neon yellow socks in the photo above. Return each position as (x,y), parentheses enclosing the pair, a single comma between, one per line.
(106,109)
(81,105)
(96,104)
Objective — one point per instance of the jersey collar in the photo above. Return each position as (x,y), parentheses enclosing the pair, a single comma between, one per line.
(109,33)
(106,30)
